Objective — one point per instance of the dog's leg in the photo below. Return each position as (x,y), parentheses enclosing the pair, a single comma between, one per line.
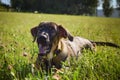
(78,54)
(49,61)
(94,47)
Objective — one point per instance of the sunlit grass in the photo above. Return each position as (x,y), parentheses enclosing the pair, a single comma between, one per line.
(15,40)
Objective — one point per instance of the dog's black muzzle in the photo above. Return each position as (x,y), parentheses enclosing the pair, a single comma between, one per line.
(44,44)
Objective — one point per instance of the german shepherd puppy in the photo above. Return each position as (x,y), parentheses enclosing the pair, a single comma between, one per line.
(56,44)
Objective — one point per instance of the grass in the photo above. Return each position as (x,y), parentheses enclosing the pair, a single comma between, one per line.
(15,40)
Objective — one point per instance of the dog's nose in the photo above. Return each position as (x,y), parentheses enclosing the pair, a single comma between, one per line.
(44,34)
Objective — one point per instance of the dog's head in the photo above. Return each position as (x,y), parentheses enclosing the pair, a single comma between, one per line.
(46,33)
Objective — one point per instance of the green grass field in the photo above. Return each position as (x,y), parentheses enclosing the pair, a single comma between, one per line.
(15,40)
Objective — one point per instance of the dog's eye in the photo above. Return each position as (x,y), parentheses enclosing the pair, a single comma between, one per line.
(51,28)
(40,29)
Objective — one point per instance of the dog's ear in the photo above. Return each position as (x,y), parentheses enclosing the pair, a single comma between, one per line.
(34,31)
(64,33)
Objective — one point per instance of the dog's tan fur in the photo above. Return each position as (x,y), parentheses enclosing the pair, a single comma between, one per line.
(71,49)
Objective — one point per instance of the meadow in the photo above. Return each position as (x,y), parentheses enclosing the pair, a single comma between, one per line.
(16,43)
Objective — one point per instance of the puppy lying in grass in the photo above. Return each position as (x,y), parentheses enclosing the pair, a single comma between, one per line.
(57,45)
